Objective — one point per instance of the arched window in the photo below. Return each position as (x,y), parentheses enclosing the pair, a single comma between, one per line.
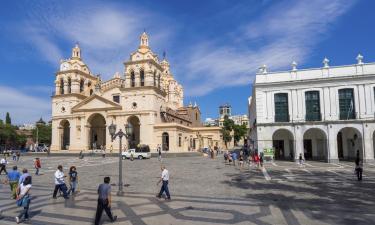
(159,81)
(165,141)
(155,79)
(69,85)
(81,85)
(91,91)
(179,141)
(142,77)
(61,86)
(132,79)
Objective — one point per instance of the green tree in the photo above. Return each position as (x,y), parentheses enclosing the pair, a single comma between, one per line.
(226,130)
(239,132)
(8,120)
(44,133)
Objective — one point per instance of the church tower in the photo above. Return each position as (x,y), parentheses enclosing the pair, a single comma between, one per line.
(76,52)
(144,40)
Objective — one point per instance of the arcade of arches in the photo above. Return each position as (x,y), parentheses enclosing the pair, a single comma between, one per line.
(315,144)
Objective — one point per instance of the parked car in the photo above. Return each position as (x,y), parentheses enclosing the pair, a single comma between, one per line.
(141,152)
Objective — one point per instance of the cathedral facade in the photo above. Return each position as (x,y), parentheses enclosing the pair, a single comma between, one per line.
(145,96)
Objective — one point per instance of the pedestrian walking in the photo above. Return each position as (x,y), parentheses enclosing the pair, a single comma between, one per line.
(37,165)
(103,151)
(3,165)
(234,158)
(159,152)
(23,176)
(358,167)
(104,201)
(226,157)
(18,154)
(73,180)
(240,159)
(165,179)
(261,158)
(14,156)
(60,183)
(300,159)
(23,200)
(13,177)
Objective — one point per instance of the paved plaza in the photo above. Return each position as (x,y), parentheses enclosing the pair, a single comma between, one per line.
(204,191)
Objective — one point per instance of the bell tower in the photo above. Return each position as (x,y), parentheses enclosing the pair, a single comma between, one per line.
(144,40)
(76,52)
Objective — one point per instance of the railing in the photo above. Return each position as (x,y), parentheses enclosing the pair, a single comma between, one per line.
(313,117)
(348,116)
(282,117)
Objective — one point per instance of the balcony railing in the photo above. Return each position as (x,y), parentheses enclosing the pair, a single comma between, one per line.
(348,116)
(282,118)
(313,117)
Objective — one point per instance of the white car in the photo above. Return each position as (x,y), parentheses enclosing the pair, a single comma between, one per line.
(136,154)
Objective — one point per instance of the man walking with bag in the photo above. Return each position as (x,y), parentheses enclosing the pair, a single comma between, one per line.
(165,179)
(104,201)
(13,177)
(60,183)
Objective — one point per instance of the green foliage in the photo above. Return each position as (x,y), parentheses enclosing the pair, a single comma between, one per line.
(8,135)
(8,120)
(44,133)
(239,132)
(228,125)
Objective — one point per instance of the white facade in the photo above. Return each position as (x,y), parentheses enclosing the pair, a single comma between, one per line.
(318,130)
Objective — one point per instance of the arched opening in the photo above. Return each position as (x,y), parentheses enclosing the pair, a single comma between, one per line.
(69,85)
(97,131)
(165,141)
(283,143)
(142,77)
(61,86)
(91,91)
(349,141)
(65,135)
(81,85)
(159,81)
(134,140)
(315,144)
(132,79)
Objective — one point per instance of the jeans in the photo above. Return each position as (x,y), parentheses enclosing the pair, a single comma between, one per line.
(102,205)
(25,211)
(13,188)
(73,187)
(37,171)
(164,187)
(3,168)
(61,187)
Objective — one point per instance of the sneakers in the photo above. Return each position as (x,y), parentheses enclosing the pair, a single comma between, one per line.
(17,219)
(114,219)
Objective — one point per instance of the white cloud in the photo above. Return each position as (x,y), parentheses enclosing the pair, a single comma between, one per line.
(22,107)
(286,31)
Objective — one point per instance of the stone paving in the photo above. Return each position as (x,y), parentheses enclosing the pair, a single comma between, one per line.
(204,191)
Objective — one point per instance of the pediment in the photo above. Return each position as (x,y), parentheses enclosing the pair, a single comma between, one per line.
(96,103)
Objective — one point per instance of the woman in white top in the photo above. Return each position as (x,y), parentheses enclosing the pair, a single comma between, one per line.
(24,192)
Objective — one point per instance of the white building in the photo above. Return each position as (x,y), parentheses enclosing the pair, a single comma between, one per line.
(324,113)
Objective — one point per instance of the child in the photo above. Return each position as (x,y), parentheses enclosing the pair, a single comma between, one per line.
(73,179)
(240,159)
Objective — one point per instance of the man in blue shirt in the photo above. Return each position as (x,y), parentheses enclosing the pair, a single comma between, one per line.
(13,177)
(23,176)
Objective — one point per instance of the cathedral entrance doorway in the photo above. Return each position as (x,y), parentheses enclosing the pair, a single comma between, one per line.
(65,135)
(165,141)
(97,131)
(134,140)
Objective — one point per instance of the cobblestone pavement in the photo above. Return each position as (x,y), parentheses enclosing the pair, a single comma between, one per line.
(204,191)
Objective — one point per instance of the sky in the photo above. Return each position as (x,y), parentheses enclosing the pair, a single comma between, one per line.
(214,47)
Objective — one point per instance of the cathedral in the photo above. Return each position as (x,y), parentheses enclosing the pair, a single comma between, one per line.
(145,96)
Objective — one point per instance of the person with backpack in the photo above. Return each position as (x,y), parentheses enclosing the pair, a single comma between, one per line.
(23,199)
(37,165)
(60,183)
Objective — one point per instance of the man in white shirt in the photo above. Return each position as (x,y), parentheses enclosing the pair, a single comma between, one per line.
(164,178)
(60,183)
(3,165)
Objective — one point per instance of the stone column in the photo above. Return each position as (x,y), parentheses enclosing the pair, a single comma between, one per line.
(367,146)
(75,86)
(298,143)
(332,145)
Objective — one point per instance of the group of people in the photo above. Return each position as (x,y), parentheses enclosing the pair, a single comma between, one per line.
(232,157)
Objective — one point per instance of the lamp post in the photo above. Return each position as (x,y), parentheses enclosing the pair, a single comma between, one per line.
(120,134)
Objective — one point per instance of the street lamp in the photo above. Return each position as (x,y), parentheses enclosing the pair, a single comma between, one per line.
(120,134)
